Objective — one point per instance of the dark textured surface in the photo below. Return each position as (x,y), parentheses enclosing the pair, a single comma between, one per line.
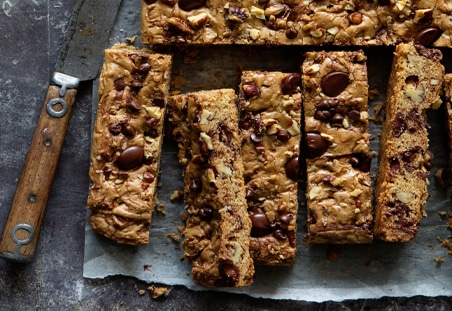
(30,41)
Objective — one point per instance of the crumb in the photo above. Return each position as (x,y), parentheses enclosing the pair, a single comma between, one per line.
(377,117)
(179,81)
(176,195)
(160,208)
(147,267)
(333,253)
(373,93)
(446,243)
(141,292)
(438,260)
(174,236)
(157,292)
(184,217)
(442,213)
(131,40)
(180,229)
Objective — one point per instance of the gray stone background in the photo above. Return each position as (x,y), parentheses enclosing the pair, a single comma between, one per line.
(31,34)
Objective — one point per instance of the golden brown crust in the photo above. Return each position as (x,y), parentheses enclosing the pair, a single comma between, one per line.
(217,232)
(270,104)
(338,187)
(289,22)
(404,159)
(126,144)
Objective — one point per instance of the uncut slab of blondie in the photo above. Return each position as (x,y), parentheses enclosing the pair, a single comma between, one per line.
(270,105)
(290,22)
(217,232)
(126,143)
(404,161)
(338,190)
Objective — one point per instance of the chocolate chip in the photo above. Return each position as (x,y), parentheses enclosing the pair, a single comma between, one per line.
(337,118)
(152,122)
(133,105)
(150,1)
(280,235)
(148,177)
(327,103)
(394,165)
(399,125)
(256,138)
(250,90)
(260,225)
(323,115)
(205,213)
(229,274)
(169,2)
(292,169)
(159,102)
(128,130)
(136,84)
(130,158)
(116,128)
(290,83)
(251,194)
(355,115)
(195,186)
(283,135)
(334,83)
(203,148)
(188,5)
(361,162)
(287,218)
(316,145)
(291,33)
(428,36)
(120,84)
(144,68)
(226,134)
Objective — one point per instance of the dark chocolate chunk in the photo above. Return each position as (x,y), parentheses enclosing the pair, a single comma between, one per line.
(130,158)
(334,83)
(316,145)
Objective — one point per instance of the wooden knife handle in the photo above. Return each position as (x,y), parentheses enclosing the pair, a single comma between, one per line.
(23,225)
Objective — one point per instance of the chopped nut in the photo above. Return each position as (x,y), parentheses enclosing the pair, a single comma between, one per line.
(180,24)
(274,9)
(223,169)
(197,21)
(313,69)
(255,34)
(420,14)
(154,112)
(206,116)
(238,251)
(206,138)
(355,193)
(258,12)
(333,30)
(404,197)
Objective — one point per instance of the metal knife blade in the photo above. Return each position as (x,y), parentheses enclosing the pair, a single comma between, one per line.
(79,60)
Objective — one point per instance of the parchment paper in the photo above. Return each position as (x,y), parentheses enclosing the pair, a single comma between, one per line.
(360,271)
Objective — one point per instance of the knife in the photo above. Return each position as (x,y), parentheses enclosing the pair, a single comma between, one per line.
(79,60)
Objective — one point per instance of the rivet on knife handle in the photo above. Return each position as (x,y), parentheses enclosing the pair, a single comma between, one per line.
(23,225)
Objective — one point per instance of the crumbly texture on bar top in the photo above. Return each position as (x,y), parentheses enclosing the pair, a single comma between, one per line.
(289,22)
(126,143)
(338,191)
(270,105)
(404,160)
(217,232)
